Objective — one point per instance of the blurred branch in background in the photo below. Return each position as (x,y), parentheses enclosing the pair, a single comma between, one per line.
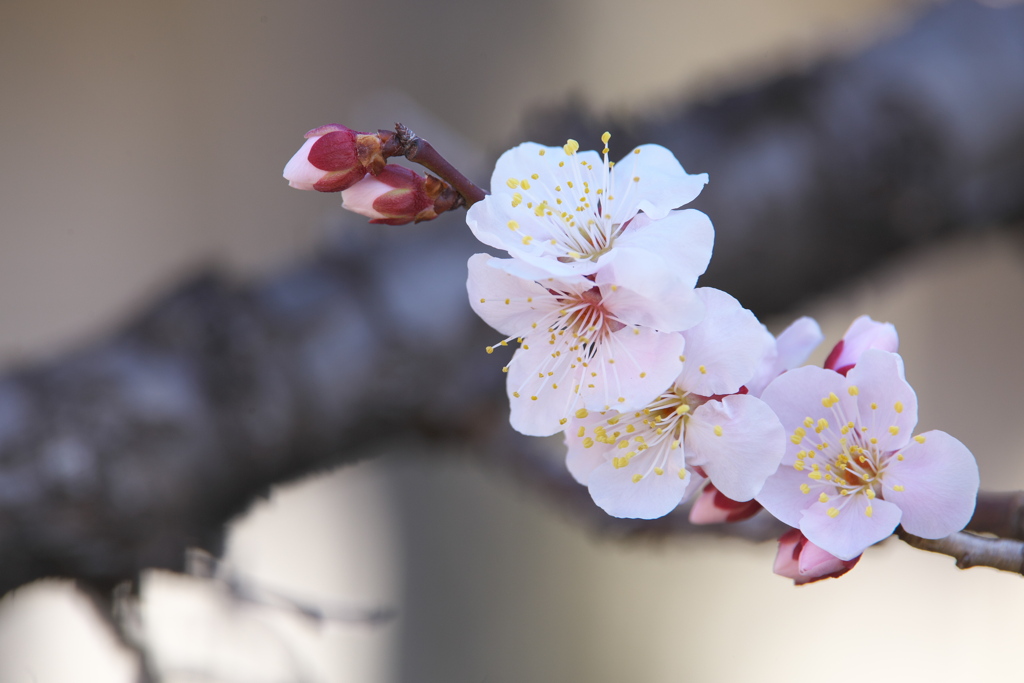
(120,456)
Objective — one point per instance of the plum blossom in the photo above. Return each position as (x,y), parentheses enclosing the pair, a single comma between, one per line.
(852,472)
(643,463)
(714,507)
(395,196)
(583,345)
(565,212)
(804,562)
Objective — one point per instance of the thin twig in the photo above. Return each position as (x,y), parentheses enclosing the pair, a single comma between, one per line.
(972,550)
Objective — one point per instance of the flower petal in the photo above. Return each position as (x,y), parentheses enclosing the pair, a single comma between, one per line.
(887,404)
(863,334)
(938,480)
(507,303)
(725,349)
(636,490)
(800,394)
(651,179)
(849,532)
(738,442)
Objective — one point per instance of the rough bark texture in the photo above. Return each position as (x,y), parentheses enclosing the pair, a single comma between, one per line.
(118,457)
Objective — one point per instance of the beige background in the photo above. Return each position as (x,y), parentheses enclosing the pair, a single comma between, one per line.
(141,140)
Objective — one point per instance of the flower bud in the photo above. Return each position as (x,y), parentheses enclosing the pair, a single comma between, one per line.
(398,195)
(804,562)
(333,159)
(863,334)
(714,507)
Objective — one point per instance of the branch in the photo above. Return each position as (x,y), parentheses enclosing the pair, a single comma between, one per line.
(971,550)
(999,514)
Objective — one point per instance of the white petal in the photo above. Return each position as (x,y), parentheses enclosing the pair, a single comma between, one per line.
(939,481)
(852,530)
(650,496)
(791,350)
(724,350)
(629,369)
(782,496)
(738,442)
(798,394)
(299,173)
(662,183)
(887,404)
(862,335)
(678,308)
(507,303)
(580,459)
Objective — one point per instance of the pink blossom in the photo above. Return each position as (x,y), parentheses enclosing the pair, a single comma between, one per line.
(583,345)
(333,158)
(564,212)
(643,463)
(804,562)
(852,472)
(790,350)
(863,334)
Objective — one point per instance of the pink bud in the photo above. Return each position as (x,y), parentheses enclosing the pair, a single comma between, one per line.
(714,507)
(863,334)
(395,196)
(804,562)
(332,159)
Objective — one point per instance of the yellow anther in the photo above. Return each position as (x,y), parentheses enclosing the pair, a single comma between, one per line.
(624,443)
(630,429)
(830,400)
(527,239)
(541,153)
(703,370)
(582,413)
(814,475)
(588,442)
(637,478)
(512,183)
(898,407)
(853,390)
(683,409)
(563,420)
(582,431)
(823,497)
(622,399)
(489,349)
(804,488)
(682,473)
(642,374)
(822,425)
(808,422)
(512,225)
(798,465)
(897,487)
(718,430)
(517,199)
(675,444)
(636,151)
(870,493)
(659,471)
(868,511)
(894,430)
(605,137)
(516,394)
(833,512)
(571,146)
(874,406)
(899,456)
(919,439)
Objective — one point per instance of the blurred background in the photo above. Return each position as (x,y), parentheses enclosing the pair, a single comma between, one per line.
(140,142)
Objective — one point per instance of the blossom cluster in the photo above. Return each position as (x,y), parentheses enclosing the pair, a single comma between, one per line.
(662,389)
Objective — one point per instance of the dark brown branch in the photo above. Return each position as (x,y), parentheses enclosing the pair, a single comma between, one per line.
(1000,514)
(971,550)
(418,150)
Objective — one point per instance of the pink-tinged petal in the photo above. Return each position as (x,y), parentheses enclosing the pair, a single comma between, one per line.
(791,350)
(507,303)
(649,252)
(686,309)
(629,368)
(724,350)
(714,507)
(636,490)
(651,179)
(887,404)
(527,271)
(800,394)
(938,485)
(584,455)
(301,174)
(815,564)
(849,532)
(862,335)
(359,198)
(738,442)
(788,556)
(783,497)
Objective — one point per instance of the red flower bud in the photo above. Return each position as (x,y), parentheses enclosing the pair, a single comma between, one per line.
(395,196)
(714,507)
(804,562)
(333,159)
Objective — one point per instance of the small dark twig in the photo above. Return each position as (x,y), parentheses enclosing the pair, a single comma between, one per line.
(972,550)
(418,150)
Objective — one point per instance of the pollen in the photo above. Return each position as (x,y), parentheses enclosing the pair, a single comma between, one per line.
(512,183)
(919,439)
(898,407)
(571,146)
(703,370)
(582,413)
(823,497)
(868,511)
(853,390)
(659,471)
(588,442)
(563,420)
(898,487)
(718,430)
(830,400)
(894,430)
(512,225)
(637,478)
(833,512)
(804,488)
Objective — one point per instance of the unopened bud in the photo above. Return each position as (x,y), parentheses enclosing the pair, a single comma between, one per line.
(714,507)
(863,334)
(804,562)
(334,158)
(398,195)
